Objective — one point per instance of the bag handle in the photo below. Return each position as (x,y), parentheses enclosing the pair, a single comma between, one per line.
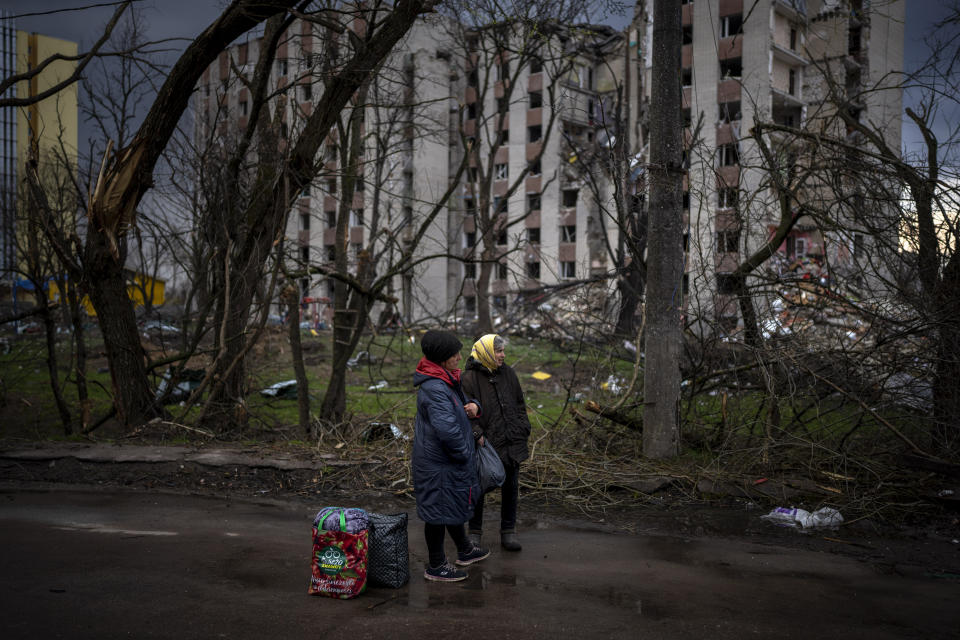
(343,518)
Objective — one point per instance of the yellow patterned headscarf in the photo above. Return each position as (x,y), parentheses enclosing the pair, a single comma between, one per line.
(483,351)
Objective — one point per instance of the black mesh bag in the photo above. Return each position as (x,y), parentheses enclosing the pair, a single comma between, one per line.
(387,561)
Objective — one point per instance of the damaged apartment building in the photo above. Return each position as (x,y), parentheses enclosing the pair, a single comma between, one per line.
(772,61)
(468,145)
(486,150)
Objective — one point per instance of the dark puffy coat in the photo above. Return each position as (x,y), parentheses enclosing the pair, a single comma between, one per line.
(503,421)
(444,469)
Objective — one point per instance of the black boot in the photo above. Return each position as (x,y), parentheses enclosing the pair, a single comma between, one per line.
(509,541)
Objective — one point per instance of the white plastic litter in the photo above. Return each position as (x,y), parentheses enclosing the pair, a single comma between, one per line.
(824,517)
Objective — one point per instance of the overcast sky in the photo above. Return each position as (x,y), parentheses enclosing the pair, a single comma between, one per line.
(185,19)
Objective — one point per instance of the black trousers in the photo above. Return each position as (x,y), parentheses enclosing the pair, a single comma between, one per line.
(510,495)
(434,536)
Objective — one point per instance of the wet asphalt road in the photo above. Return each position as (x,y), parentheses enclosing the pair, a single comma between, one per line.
(124,565)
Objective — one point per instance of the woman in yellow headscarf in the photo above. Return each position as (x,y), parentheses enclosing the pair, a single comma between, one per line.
(503,424)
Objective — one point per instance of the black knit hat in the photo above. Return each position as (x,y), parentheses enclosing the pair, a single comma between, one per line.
(439,346)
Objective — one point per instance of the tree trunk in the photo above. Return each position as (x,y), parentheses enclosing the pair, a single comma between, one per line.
(347,329)
(132,394)
(946,400)
(226,406)
(50,330)
(292,298)
(630,289)
(751,325)
(80,342)
(484,321)
(665,241)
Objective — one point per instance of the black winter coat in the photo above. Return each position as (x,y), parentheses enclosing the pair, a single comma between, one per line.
(444,468)
(503,420)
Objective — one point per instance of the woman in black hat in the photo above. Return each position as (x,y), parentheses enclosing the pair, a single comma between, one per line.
(444,470)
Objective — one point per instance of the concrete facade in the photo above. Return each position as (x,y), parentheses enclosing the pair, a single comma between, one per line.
(769,61)
(433,84)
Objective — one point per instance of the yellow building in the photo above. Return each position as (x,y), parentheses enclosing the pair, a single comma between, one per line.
(141,289)
(51,126)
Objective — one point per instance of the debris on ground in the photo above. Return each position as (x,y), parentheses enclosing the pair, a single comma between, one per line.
(383,431)
(362,357)
(824,517)
(187,381)
(285,389)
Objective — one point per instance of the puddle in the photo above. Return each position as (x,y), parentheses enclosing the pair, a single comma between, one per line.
(428,595)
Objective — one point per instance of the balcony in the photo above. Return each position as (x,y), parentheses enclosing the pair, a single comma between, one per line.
(788,56)
(729,7)
(533,148)
(729,174)
(730,47)
(726,262)
(575,105)
(795,9)
(725,134)
(728,90)
(781,100)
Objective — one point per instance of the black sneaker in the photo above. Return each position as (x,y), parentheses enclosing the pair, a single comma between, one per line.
(476,554)
(444,573)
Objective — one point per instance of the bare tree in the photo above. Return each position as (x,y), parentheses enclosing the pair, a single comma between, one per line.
(665,241)
(385,218)
(127,174)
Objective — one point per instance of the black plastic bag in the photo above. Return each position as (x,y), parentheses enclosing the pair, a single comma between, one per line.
(489,468)
(387,559)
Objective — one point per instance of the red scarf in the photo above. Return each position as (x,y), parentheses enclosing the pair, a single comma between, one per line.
(432,369)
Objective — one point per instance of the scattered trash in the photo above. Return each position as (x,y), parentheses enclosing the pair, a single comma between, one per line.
(286,389)
(383,431)
(156,325)
(190,379)
(612,385)
(791,517)
(380,385)
(944,493)
(540,375)
(362,357)
(629,346)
